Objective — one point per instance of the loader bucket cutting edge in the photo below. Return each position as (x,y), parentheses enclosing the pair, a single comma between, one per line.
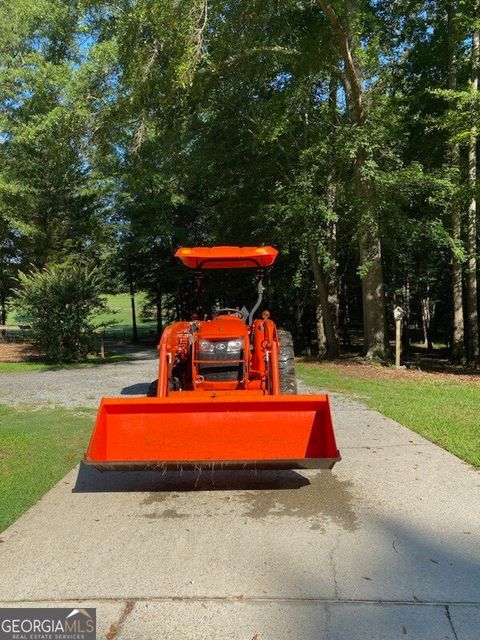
(281,432)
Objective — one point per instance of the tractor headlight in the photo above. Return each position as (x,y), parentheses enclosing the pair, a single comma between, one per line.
(234,346)
(206,346)
(221,346)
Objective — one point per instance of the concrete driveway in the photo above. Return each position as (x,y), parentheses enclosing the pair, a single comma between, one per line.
(385,546)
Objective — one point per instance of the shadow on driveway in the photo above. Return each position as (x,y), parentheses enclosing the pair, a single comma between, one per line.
(90,480)
(137,389)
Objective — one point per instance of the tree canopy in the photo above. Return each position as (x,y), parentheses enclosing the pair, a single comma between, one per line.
(344,132)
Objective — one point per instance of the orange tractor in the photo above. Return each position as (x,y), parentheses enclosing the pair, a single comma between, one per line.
(225,395)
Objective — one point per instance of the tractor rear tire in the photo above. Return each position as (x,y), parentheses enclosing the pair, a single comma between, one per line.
(286,363)
(152,389)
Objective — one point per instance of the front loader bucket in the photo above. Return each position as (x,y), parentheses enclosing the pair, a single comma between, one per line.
(281,432)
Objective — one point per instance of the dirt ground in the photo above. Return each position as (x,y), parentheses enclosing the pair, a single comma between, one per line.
(17,352)
(360,368)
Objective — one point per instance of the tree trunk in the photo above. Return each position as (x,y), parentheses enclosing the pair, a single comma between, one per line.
(330,197)
(458,329)
(3,307)
(373,294)
(158,305)
(333,280)
(132,300)
(471,280)
(320,329)
(300,333)
(427,313)
(343,316)
(406,317)
(327,338)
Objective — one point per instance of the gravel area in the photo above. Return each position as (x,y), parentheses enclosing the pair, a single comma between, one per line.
(83,386)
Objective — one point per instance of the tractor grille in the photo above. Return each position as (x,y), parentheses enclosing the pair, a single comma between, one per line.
(223,372)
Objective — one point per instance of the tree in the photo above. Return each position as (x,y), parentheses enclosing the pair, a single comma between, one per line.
(51,204)
(459,122)
(132,128)
(472,289)
(458,329)
(59,302)
(371,269)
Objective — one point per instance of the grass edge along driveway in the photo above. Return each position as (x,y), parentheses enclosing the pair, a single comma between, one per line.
(442,409)
(38,446)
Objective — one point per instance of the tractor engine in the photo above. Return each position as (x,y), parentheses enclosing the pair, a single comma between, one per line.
(221,350)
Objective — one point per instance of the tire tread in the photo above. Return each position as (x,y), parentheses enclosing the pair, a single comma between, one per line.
(286,363)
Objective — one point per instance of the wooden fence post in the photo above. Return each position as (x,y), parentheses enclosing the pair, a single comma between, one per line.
(398,314)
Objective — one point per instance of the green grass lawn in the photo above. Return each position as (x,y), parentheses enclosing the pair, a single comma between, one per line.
(121,306)
(445,411)
(37,448)
(120,313)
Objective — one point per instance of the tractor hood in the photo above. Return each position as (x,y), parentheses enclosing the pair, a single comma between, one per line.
(222,327)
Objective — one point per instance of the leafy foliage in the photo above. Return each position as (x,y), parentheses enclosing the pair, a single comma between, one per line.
(59,302)
(130,128)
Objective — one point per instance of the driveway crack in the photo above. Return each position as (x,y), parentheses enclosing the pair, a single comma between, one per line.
(450,621)
(333,561)
(116,627)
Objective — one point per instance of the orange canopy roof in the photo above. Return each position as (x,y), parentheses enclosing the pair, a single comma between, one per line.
(227,257)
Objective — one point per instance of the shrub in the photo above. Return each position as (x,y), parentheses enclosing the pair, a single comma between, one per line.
(59,302)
